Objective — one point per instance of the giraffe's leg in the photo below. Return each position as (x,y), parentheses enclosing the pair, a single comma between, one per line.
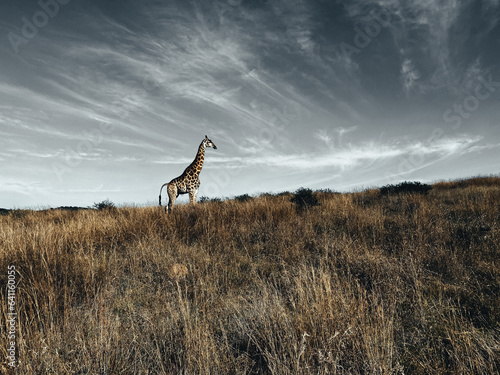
(172,194)
(192,196)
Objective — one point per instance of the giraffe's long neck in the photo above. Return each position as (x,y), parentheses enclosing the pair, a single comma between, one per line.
(197,163)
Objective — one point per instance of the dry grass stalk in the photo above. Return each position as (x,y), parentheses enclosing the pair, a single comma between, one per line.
(360,284)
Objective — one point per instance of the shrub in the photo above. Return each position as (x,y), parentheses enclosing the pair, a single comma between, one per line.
(304,198)
(406,188)
(243,198)
(204,199)
(74,208)
(283,194)
(327,191)
(104,205)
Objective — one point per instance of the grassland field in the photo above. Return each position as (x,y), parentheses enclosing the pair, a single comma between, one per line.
(362,283)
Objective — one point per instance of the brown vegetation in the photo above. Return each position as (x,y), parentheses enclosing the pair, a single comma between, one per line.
(360,284)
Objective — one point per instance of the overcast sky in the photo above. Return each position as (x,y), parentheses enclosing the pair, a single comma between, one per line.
(109,101)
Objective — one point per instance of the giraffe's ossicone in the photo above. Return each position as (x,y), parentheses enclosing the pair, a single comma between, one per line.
(188,182)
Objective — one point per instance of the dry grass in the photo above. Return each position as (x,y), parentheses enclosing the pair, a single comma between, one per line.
(362,284)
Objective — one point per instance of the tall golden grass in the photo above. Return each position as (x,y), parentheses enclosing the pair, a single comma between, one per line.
(362,284)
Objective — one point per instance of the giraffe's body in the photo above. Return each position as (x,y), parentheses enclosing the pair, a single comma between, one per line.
(188,182)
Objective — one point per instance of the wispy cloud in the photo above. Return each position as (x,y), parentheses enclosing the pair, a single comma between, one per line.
(408,75)
(352,156)
(435,38)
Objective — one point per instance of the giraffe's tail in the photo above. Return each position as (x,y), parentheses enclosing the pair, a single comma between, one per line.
(159,197)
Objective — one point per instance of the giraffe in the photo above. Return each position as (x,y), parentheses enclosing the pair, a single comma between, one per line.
(188,181)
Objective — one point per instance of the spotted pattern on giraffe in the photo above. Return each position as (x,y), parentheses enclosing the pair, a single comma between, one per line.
(188,182)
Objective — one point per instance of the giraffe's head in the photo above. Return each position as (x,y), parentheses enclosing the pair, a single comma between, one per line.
(208,143)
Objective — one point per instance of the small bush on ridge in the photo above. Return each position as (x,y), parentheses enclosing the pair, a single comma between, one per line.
(243,198)
(304,198)
(406,187)
(104,205)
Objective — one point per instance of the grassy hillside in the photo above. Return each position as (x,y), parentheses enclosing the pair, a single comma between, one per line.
(363,283)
